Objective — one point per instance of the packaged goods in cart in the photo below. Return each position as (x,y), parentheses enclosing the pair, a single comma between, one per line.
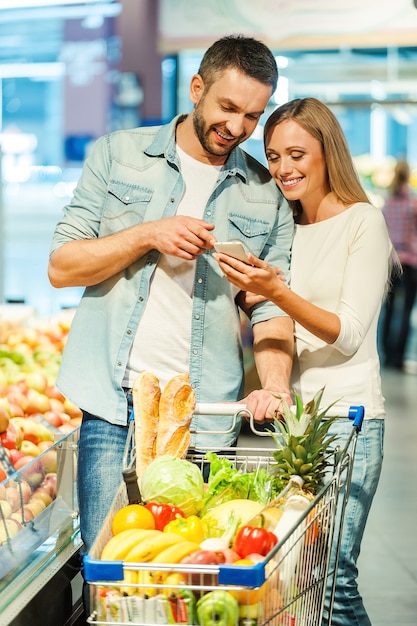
(133,609)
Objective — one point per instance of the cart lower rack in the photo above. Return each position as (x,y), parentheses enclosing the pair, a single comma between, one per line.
(293,586)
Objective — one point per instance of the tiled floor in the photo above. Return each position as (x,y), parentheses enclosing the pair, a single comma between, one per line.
(388,562)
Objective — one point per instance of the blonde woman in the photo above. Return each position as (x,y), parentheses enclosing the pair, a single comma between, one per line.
(340,267)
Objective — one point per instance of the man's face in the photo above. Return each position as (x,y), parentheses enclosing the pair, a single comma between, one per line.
(227,113)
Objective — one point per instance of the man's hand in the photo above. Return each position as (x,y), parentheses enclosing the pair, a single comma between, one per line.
(182,236)
(266,405)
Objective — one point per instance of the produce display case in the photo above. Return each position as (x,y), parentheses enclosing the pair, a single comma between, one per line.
(288,588)
(37,541)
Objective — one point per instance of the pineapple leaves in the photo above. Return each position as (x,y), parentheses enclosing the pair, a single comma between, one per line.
(302,441)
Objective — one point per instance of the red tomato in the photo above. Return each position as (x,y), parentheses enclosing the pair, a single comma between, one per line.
(250,539)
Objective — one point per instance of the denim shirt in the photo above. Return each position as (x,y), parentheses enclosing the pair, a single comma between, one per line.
(131,177)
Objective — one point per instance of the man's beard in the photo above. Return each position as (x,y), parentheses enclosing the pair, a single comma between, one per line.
(202,133)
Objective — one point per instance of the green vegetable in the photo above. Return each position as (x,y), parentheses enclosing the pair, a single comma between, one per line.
(226,482)
(169,480)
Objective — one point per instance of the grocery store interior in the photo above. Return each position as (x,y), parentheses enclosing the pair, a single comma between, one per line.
(73,70)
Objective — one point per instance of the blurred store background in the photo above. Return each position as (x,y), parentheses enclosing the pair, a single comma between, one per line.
(73,70)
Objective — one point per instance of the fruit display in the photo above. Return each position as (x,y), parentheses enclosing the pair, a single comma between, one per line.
(32,410)
(34,417)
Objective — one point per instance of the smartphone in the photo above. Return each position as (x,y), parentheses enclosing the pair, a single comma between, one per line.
(235,248)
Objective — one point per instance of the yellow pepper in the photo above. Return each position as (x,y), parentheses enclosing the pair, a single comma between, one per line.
(190,528)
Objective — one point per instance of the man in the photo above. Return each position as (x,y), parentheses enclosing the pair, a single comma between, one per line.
(139,235)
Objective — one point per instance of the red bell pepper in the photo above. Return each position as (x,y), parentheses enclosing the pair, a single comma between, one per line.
(250,540)
(163,513)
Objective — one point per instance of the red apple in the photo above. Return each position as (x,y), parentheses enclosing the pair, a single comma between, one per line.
(33,473)
(16,410)
(53,418)
(229,555)
(19,398)
(13,497)
(13,437)
(50,483)
(37,402)
(22,515)
(22,461)
(45,445)
(49,461)
(52,392)
(15,455)
(25,491)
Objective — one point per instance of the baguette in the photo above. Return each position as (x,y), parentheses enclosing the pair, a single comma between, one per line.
(176,408)
(146,394)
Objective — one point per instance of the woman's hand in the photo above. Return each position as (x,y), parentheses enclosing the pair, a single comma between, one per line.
(259,280)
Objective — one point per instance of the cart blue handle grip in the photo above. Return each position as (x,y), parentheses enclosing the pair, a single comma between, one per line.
(357,414)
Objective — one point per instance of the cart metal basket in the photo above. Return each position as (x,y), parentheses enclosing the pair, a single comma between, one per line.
(294,586)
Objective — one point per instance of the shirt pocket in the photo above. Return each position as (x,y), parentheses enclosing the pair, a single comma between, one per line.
(126,206)
(253,232)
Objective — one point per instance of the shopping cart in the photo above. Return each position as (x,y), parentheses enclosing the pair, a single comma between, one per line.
(289,588)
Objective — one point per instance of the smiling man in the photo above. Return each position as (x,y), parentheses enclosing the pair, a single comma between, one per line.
(139,235)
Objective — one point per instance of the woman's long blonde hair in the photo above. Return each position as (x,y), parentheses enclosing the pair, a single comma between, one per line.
(319,121)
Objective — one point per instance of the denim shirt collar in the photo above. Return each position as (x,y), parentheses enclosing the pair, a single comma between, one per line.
(164,144)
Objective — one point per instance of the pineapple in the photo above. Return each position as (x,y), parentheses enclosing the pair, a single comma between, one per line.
(302,440)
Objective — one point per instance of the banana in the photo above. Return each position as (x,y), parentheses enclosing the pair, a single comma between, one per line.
(119,545)
(149,547)
(176,552)
(130,578)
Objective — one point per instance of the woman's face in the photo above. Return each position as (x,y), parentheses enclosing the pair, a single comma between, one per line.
(296,163)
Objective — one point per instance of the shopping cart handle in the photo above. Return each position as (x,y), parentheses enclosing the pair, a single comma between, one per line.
(357,414)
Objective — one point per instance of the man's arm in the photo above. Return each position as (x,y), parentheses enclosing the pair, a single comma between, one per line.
(86,262)
(273,345)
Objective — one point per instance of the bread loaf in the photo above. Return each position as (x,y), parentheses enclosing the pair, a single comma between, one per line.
(146,394)
(176,408)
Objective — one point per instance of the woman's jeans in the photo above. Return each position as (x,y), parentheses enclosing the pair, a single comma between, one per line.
(348,609)
(99,472)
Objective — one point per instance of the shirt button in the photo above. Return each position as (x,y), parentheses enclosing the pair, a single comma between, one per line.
(172,199)
(119,363)
(129,332)
(127,198)
(195,352)
(197,316)
(200,280)
(247,231)
(140,299)
(208,212)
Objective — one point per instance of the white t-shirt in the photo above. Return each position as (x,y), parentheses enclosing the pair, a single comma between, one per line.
(162,341)
(341,265)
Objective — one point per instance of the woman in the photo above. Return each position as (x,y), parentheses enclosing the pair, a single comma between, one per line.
(340,268)
(400,213)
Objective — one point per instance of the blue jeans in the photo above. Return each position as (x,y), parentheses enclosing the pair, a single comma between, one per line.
(99,472)
(348,608)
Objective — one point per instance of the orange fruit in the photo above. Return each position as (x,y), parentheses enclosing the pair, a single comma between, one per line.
(132,516)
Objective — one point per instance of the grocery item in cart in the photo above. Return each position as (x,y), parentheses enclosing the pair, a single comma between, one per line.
(162,418)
